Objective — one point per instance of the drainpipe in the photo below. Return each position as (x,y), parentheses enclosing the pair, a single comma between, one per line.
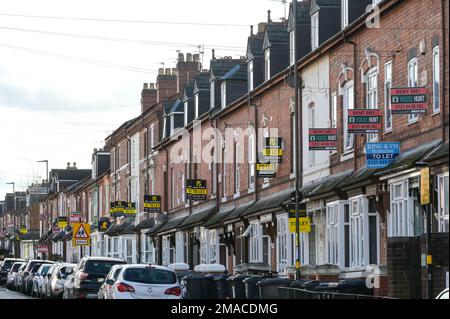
(444,62)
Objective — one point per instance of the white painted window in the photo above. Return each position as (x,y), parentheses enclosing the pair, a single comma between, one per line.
(148,254)
(167,251)
(183,188)
(224,94)
(256,242)
(224,172)
(127,250)
(344,13)
(436,80)
(212,249)
(179,247)
(265,135)
(337,233)
(196,106)
(267,64)
(358,232)
(315,30)
(212,94)
(250,76)
(334,110)
(204,245)
(412,82)
(251,160)
(115,248)
(387,96)
(172,193)
(372,97)
(443,206)
(348,101)
(186,110)
(152,135)
(311,124)
(213,172)
(237,174)
(283,235)
(401,219)
(291,47)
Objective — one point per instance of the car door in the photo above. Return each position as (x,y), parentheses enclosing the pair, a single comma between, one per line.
(113,276)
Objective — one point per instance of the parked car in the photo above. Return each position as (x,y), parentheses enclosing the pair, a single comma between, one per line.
(5,267)
(443,294)
(89,275)
(12,274)
(38,279)
(46,281)
(105,289)
(18,278)
(54,285)
(31,267)
(140,281)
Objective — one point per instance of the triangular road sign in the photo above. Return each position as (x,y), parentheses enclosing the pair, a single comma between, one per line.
(81,232)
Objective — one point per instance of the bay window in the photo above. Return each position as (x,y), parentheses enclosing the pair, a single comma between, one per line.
(267,64)
(251,161)
(250,76)
(167,250)
(212,249)
(292,47)
(179,247)
(315,30)
(401,219)
(148,254)
(236,168)
(224,94)
(203,245)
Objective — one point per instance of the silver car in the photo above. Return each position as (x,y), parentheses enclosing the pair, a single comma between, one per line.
(105,289)
(38,279)
(55,283)
(12,274)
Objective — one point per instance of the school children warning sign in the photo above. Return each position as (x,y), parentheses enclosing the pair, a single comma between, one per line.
(81,234)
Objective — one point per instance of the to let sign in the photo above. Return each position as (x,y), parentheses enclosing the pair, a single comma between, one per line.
(425,186)
(364,121)
(323,139)
(409,100)
(273,151)
(196,189)
(304,225)
(266,170)
(130,209)
(379,155)
(152,203)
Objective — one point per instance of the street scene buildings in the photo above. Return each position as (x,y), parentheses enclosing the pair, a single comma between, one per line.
(193,178)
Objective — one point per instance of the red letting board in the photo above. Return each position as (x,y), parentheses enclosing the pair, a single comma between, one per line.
(323,139)
(364,121)
(409,100)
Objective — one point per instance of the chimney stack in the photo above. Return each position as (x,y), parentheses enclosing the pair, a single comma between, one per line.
(180,57)
(74,165)
(269,20)
(188,57)
(68,165)
(262,27)
(251,30)
(145,86)
(148,97)
(161,71)
(168,71)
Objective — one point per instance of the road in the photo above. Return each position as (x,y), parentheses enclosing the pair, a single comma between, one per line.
(8,294)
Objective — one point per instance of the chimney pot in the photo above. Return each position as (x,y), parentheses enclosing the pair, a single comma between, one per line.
(213,54)
(68,164)
(161,71)
(188,57)
(251,30)
(145,86)
(196,57)
(180,57)
(75,165)
(152,86)
(168,71)
(269,20)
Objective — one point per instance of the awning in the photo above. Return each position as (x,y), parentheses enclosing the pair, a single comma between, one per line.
(270,203)
(45,236)
(408,159)
(59,236)
(441,152)
(363,176)
(328,184)
(126,228)
(218,218)
(198,217)
(238,211)
(147,223)
(171,225)
(154,229)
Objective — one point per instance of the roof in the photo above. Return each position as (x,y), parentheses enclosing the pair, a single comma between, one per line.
(177,107)
(147,223)
(407,159)
(188,91)
(439,153)
(71,174)
(220,67)
(126,228)
(219,217)
(276,32)
(239,72)
(154,229)
(363,175)
(270,202)
(170,225)
(303,16)
(316,4)
(326,185)
(168,105)
(198,216)
(237,212)
(254,45)
(202,81)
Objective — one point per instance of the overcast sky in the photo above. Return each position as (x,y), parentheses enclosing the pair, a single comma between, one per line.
(64,88)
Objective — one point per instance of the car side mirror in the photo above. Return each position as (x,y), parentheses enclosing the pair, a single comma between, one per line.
(110,282)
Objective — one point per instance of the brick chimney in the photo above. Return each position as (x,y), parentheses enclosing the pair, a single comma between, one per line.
(149,96)
(166,84)
(187,70)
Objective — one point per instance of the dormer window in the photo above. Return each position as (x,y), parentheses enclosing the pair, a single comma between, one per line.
(224,94)
(165,128)
(267,64)
(250,76)
(315,30)
(196,105)
(172,123)
(186,110)
(291,47)
(213,96)
(344,13)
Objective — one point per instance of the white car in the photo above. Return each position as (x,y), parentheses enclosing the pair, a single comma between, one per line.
(443,294)
(138,281)
(38,280)
(105,289)
(55,283)
(12,274)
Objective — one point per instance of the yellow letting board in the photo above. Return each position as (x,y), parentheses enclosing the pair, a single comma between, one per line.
(81,234)
(305,225)
(425,186)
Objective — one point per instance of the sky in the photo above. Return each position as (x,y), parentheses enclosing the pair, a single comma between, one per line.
(69,75)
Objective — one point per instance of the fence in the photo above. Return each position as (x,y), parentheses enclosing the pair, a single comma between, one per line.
(296,293)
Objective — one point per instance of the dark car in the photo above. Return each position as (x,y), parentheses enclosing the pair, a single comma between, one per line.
(5,267)
(89,276)
(29,271)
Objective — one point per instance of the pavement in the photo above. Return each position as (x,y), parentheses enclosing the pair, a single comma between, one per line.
(9,294)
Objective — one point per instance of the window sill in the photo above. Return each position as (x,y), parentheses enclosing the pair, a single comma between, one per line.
(435,113)
(413,122)
(251,190)
(387,131)
(224,199)
(347,155)
(265,185)
(237,195)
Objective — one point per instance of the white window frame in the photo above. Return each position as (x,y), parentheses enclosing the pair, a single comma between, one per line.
(237,172)
(283,234)
(348,103)
(224,173)
(212,95)
(311,125)
(196,105)
(223,94)
(372,97)
(291,47)
(186,109)
(388,120)
(115,247)
(359,232)
(213,244)
(251,161)
(344,13)
(204,249)
(255,242)
(183,188)
(413,68)
(436,81)
(443,202)
(335,233)
(333,110)
(250,76)
(166,249)
(179,247)
(148,253)
(267,64)
(401,215)
(315,30)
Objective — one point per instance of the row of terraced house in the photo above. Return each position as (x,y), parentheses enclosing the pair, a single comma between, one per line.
(211,124)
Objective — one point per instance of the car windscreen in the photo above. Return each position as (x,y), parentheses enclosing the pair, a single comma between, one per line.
(99,267)
(150,276)
(35,268)
(66,270)
(45,269)
(16,267)
(7,264)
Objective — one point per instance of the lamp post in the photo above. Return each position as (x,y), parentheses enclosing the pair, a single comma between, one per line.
(14,214)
